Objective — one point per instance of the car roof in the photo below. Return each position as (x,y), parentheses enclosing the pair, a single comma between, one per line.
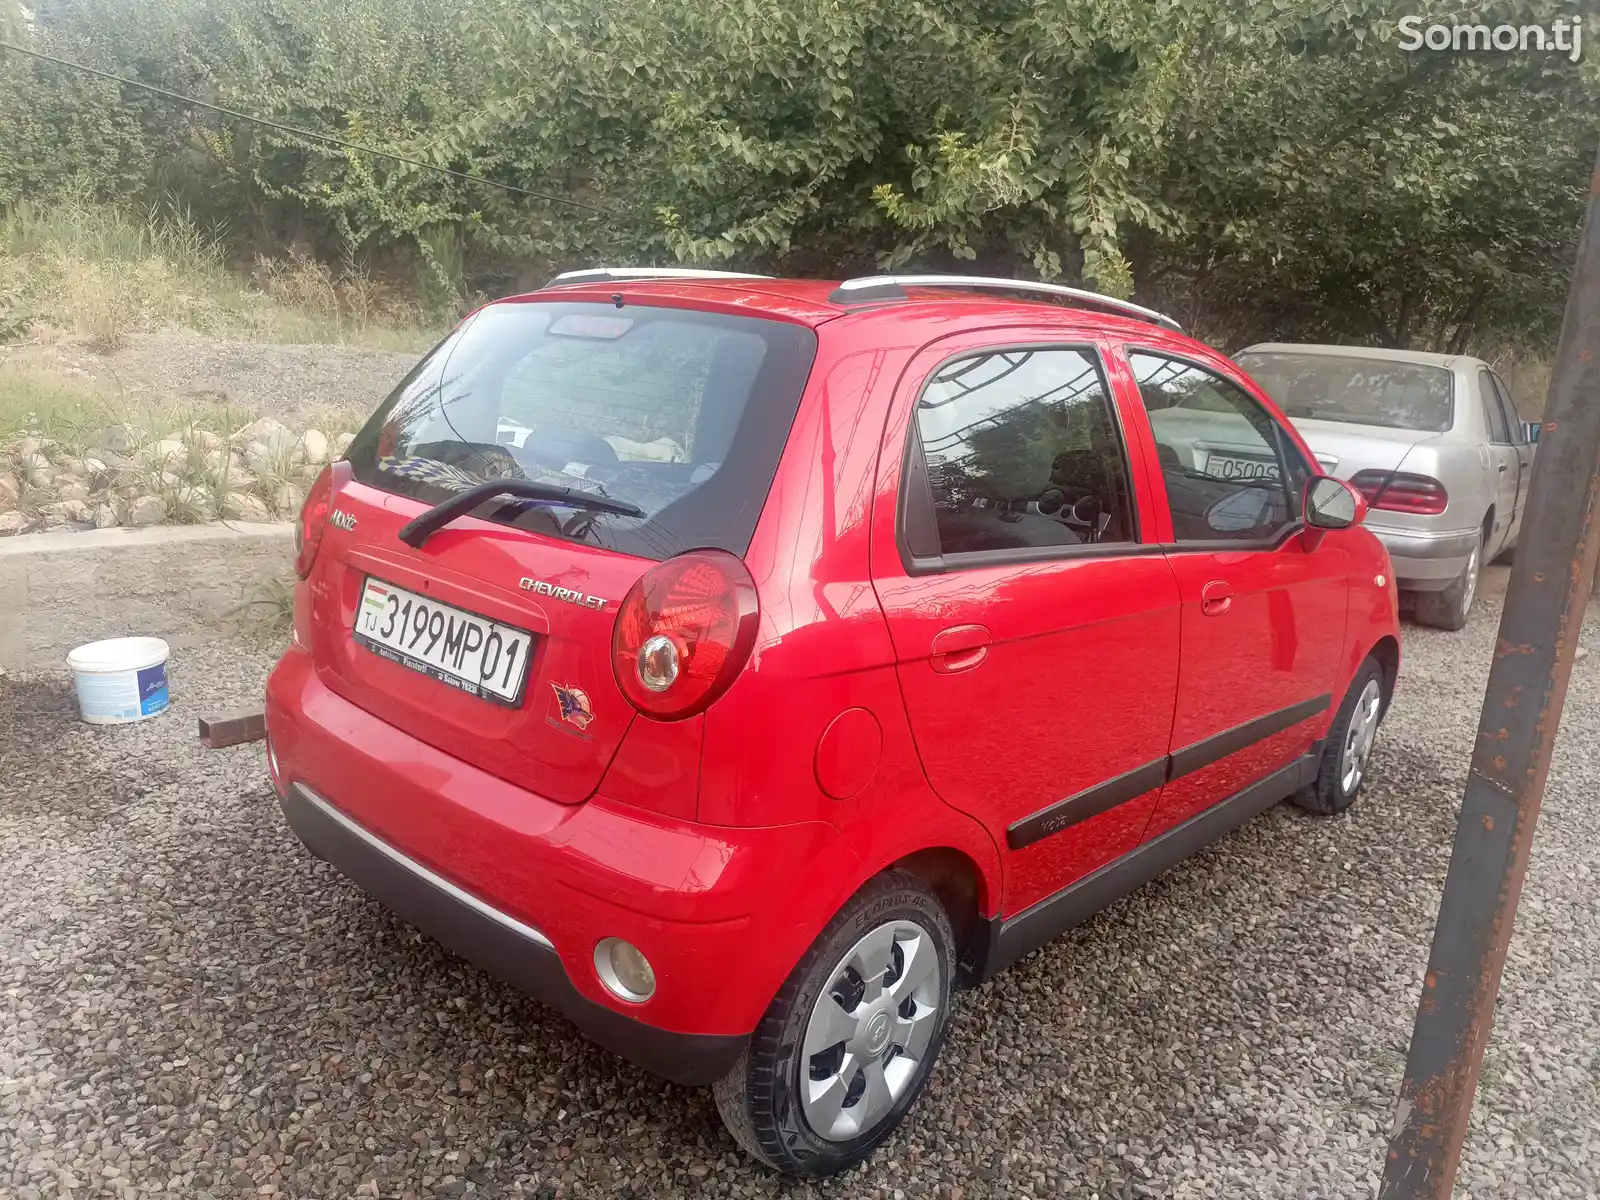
(810,302)
(1420,357)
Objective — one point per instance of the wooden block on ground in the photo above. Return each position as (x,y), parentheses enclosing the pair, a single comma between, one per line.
(233,729)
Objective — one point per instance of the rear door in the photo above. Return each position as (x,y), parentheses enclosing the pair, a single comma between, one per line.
(1505,466)
(1034,623)
(1519,444)
(649,406)
(1264,602)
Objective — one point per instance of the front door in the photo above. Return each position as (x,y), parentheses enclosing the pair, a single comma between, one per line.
(1264,600)
(1036,634)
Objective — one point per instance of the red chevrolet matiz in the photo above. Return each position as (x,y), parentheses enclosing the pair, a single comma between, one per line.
(739,665)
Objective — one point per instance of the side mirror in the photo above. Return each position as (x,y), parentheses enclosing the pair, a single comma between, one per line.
(1332,503)
(1531,430)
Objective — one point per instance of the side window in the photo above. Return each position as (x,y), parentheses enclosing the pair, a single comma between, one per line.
(1493,415)
(1019,449)
(1231,473)
(1508,406)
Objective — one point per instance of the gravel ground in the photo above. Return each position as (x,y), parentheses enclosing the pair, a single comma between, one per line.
(296,384)
(195,1005)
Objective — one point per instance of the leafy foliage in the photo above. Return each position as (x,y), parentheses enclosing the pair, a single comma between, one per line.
(1267,167)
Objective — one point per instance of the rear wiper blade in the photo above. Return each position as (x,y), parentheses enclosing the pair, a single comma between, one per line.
(417,532)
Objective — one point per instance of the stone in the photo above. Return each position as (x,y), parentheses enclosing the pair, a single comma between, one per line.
(166,451)
(29,445)
(314,446)
(245,506)
(73,489)
(145,510)
(95,467)
(239,479)
(10,490)
(204,439)
(71,467)
(259,458)
(287,499)
(36,470)
(121,439)
(267,430)
(341,444)
(12,522)
(63,512)
(105,517)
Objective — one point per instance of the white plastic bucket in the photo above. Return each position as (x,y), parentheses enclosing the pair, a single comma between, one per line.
(120,679)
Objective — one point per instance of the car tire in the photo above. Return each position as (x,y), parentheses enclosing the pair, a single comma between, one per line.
(1347,750)
(805,1105)
(1450,608)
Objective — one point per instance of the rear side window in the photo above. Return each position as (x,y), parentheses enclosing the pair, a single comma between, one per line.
(1019,451)
(1519,435)
(1494,416)
(681,413)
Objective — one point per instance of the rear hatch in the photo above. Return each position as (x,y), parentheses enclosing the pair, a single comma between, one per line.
(1344,449)
(492,640)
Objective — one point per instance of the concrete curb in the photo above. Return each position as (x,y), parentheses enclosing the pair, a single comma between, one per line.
(59,590)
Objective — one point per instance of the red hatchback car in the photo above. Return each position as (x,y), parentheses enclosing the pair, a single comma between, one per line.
(739,665)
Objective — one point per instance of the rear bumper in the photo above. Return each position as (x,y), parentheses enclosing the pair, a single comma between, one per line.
(1427,560)
(526,887)
(505,947)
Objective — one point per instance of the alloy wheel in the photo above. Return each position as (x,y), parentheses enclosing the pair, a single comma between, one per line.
(1359,737)
(1469,592)
(870,1030)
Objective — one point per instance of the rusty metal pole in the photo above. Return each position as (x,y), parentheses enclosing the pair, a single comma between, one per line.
(1533,657)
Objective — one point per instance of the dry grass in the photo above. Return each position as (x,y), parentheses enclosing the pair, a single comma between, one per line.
(102,273)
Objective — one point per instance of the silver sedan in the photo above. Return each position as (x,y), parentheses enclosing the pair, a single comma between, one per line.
(1433,441)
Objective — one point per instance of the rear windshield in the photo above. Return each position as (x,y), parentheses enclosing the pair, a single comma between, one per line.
(680,413)
(1357,391)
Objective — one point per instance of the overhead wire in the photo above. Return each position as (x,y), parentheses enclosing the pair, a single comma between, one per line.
(295,131)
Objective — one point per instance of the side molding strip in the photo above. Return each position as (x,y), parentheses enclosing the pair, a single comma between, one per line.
(1012,937)
(1230,741)
(1091,802)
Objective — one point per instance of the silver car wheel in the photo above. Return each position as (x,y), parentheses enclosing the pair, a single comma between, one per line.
(870,1030)
(1469,592)
(1360,736)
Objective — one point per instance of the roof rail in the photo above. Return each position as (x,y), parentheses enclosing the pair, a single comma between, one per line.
(621,274)
(892,287)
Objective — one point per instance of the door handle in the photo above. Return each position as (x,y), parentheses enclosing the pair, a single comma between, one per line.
(1502,468)
(1215,598)
(959,648)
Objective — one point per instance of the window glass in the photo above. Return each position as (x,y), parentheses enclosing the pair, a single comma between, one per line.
(1519,435)
(1493,415)
(1022,451)
(1354,391)
(681,413)
(1222,455)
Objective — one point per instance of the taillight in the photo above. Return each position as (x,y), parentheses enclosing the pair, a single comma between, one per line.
(1398,491)
(684,632)
(313,520)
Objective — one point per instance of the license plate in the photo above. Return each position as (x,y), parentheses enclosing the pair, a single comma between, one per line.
(479,656)
(1233,466)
